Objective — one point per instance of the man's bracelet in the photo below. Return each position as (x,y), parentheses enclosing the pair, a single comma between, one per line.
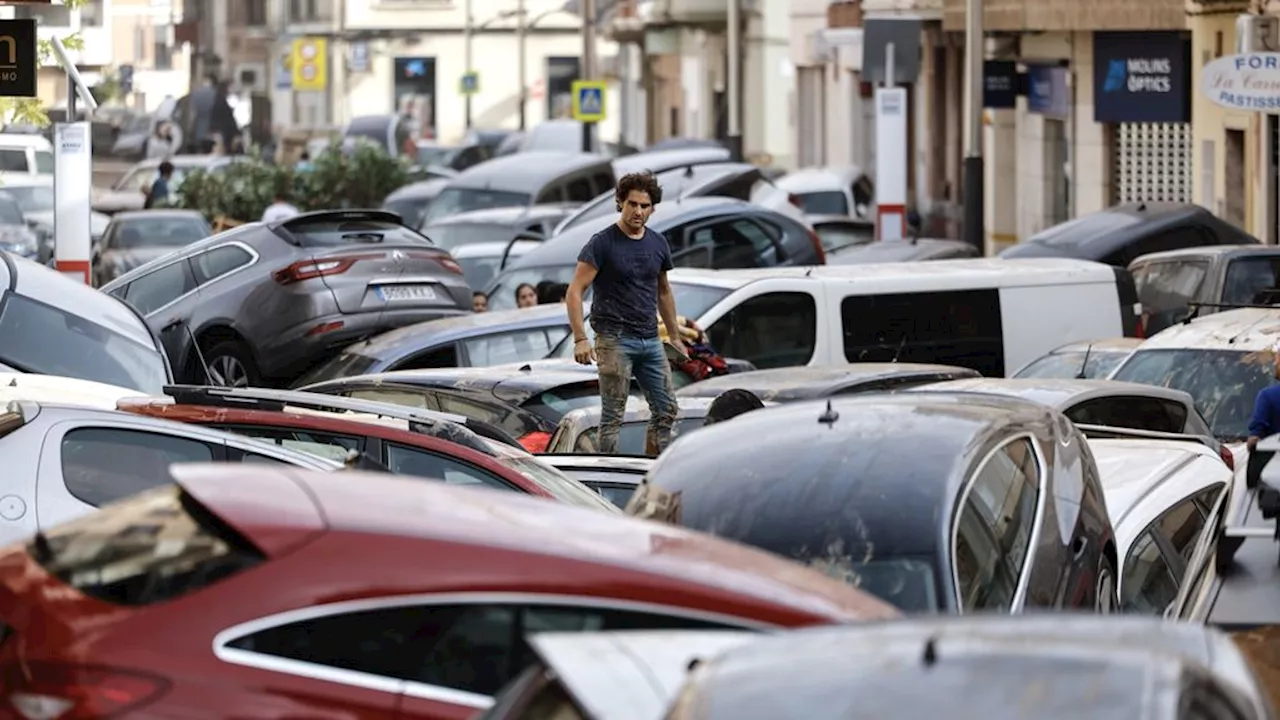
(579,340)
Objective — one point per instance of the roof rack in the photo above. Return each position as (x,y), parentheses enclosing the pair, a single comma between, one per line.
(429,422)
(1107,432)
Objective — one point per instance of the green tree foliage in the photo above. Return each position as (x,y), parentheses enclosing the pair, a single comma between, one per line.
(30,111)
(360,177)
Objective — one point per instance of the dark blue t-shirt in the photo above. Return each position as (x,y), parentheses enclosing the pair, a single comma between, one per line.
(1266,413)
(625,300)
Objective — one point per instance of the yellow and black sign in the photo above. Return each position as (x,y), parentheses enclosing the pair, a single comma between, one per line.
(18,63)
(310,64)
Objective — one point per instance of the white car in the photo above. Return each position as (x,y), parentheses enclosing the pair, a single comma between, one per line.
(482,261)
(831,191)
(1166,499)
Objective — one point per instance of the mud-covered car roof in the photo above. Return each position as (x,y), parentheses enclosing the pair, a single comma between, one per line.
(805,383)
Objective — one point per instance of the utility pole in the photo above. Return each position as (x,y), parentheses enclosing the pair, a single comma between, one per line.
(974,176)
(468,36)
(588,62)
(734,79)
(523,30)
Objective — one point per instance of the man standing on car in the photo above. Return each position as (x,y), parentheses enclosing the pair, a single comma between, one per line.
(626,266)
(1265,422)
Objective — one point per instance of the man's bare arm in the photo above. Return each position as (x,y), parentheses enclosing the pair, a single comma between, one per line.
(583,275)
(667,309)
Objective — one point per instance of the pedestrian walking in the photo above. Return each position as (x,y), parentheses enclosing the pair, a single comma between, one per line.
(160,192)
(730,404)
(1265,422)
(626,267)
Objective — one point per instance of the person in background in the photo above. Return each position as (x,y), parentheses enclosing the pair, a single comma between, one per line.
(304,163)
(281,209)
(550,293)
(730,404)
(160,192)
(526,295)
(1265,422)
(479,302)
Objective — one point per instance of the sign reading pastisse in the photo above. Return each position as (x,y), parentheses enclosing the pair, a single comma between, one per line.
(1244,82)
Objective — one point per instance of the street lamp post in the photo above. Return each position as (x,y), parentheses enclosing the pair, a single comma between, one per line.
(734,79)
(974,200)
(469,34)
(588,62)
(523,30)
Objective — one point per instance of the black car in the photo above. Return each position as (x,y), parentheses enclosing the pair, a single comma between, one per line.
(891,251)
(1218,276)
(526,402)
(810,383)
(1119,235)
(704,232)
(951,503)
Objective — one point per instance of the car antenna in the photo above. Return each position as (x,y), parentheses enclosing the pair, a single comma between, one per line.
(829,416)
(1085,363)
(898,352)
(930,657)
(195,347)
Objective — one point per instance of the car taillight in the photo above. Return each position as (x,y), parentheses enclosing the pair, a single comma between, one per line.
(1227,456)
(59,691)
(536,442)
(308,269)
(817,247)
(794,200)
(449,264)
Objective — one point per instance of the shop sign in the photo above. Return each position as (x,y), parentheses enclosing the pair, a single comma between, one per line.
(1244,82)
(1141,77)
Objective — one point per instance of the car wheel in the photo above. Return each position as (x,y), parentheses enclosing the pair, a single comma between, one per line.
(231,365)
(1105,599)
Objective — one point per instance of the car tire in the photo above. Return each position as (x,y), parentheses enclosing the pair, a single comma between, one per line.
(231,364)
(1105,599)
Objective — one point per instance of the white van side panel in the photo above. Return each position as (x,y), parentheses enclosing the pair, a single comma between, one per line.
(1038,319)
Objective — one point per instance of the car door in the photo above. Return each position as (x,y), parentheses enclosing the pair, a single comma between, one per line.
(166,296)
(769,330)
(1156,565)
(87,463)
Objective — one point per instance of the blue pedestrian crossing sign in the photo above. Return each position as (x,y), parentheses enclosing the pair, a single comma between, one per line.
(469,84)
(588,101)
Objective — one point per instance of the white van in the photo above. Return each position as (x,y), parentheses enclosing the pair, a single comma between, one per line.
(28,154)
(992,315)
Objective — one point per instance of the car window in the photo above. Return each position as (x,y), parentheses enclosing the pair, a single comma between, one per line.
(258,459)
(631,436)
(494,413)
(580,191)
(511,347)
(1223,383)
(993,533)
(1181,526)
(958,327)
(730,247)
(44,161)
(13,161)
(160,232)
(1165,288)
(835,236)
(160,287)
(441,357)
(102,465)
(772,330)
(322,445)
(1171,239)
(472,648)
(395,397)
(827,202)
(1252,280)
(555,403)
(457,200)
(220,261)
(1128,411)
(405,460)
(1148,584)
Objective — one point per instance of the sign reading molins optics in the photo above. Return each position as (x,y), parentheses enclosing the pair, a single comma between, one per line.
(1141,77)
(1244,82)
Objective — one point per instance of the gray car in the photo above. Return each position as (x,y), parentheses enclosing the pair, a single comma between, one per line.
(135,237)
(265,301)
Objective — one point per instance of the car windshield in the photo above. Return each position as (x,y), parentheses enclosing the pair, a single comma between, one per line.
(347,363)
(39,338)
(827,202)
(160,232)
(561,486)
(835,236)
(1089,226)
(1224,383)
(502,296)
(451,235)
(410,209)
(456,200)
(693,300)
(1066,365)
(31,198)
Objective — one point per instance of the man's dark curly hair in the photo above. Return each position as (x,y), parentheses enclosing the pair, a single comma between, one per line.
(645,182)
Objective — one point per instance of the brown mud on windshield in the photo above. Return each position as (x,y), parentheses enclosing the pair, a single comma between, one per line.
(1261,647)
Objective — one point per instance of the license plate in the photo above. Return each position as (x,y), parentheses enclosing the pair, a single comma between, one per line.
(390,293)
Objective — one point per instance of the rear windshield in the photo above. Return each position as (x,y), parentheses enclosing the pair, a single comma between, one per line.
(345,364)
(323,232)
(841,235)
(1224,383)
(410,209)
(555,404)
(1067,365)
(831,202)
(155,546)
(452,235)
(457,200)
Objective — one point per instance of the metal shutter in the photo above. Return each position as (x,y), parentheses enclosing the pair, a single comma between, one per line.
(1152,162)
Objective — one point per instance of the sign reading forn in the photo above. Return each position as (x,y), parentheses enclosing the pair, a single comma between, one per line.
(18,63)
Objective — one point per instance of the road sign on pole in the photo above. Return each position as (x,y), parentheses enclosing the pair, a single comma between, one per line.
(588,101)
(310,64)
(469,84)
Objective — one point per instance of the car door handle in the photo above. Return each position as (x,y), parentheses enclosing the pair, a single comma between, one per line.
(1078,547)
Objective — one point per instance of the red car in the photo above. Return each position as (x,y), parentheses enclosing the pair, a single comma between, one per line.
(393,438)
(264,592)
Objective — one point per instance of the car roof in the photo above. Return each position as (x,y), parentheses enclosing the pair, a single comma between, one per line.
(975,271)
(1208,251)
(512,382)
(917,664)
(510,524)
(58,390)
(563,248)
(507,215)
(808,446)
(1119,344)
(126,215)
(424,334)
(657,161)
(902,251)
(493,249)
(526,170)
(35,140)
(803,382)
(1057,392)
(1135,471)
(1242,330)
(422,189)
(819,179)
(21,179)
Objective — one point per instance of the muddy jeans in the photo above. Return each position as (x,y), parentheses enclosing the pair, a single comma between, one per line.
(618,359)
